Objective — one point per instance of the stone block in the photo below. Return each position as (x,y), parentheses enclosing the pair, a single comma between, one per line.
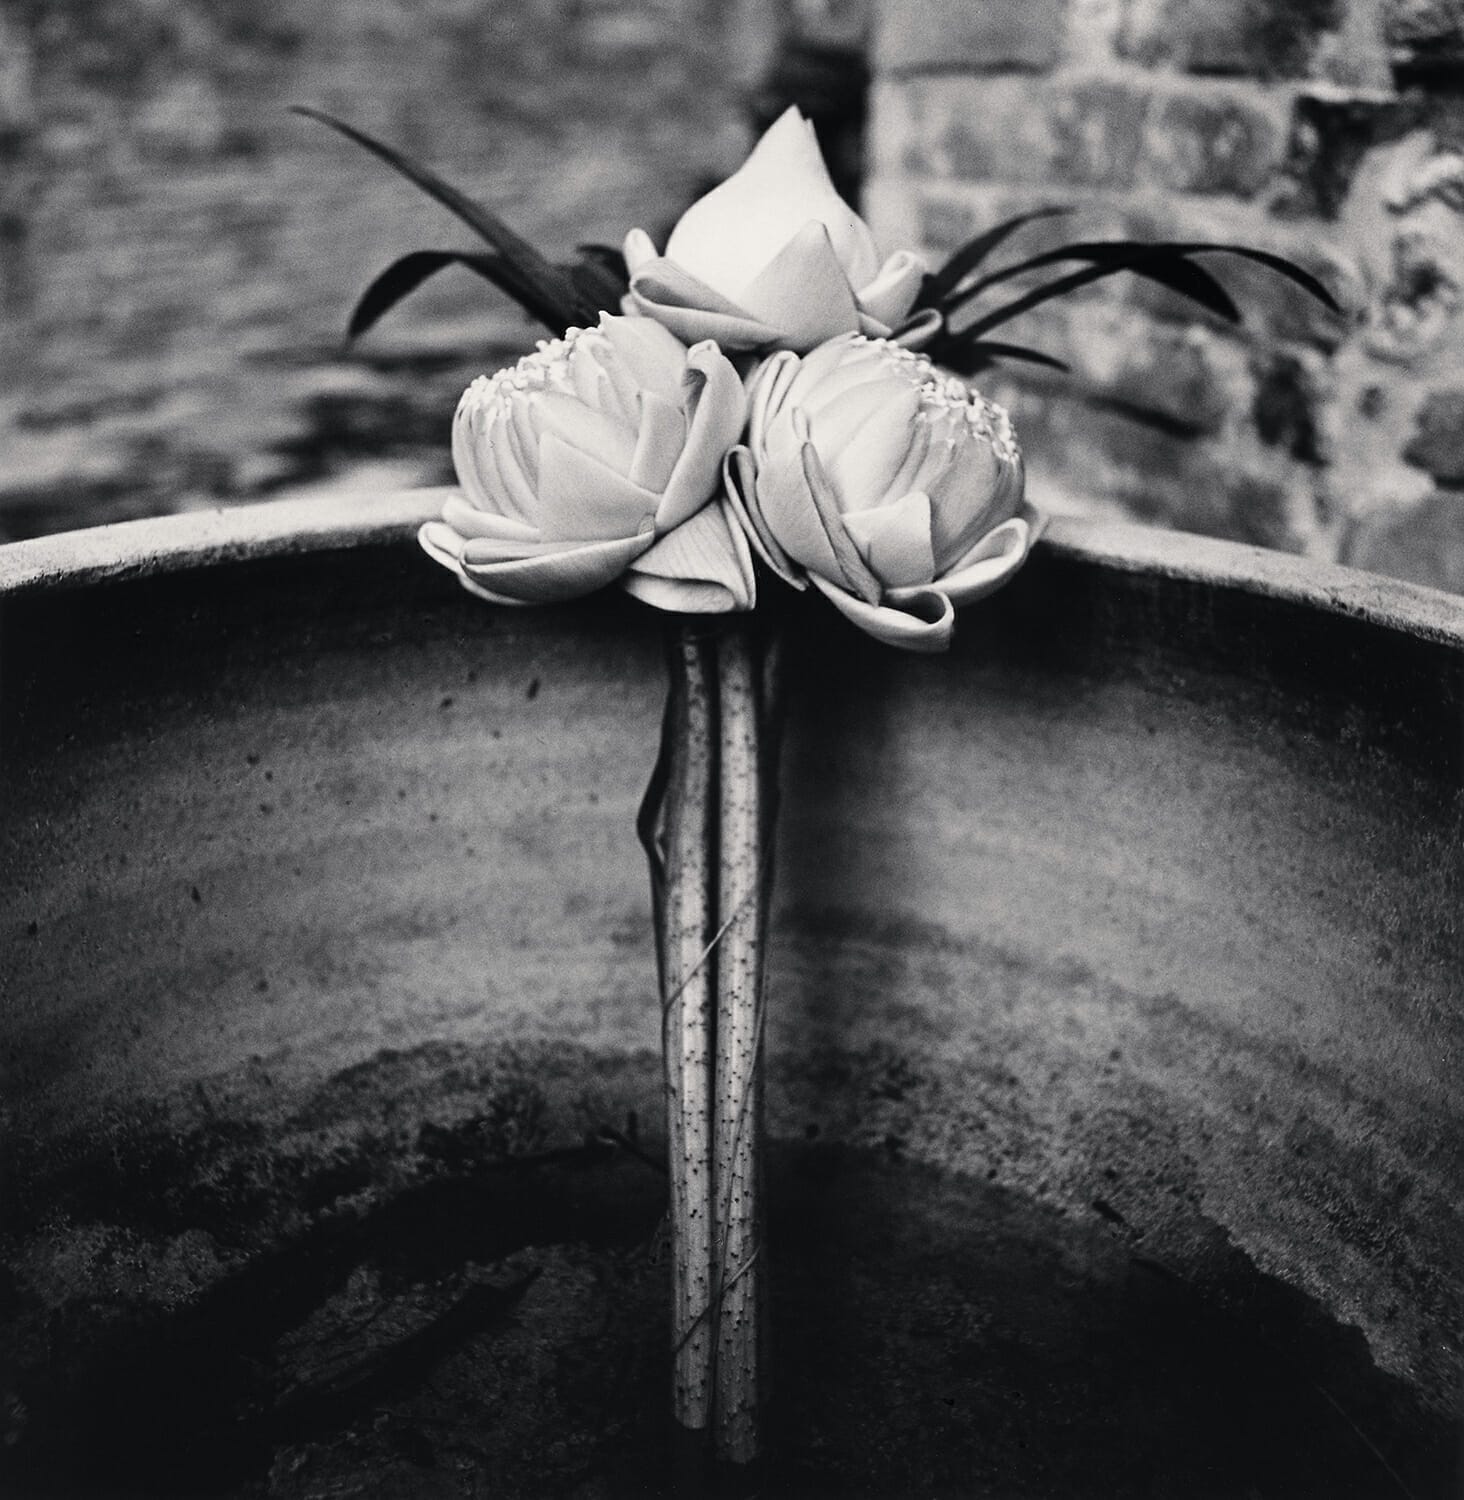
(1228,139)
(986,36)
(1098,127)
(1252,38)
(1267,301)
(1194,483)
(1182,377)
(1094,130)
(1418,26)
(1286,407)
(1424,544)
(1437,444)
(966,127)
(1330,135)
(1418,311)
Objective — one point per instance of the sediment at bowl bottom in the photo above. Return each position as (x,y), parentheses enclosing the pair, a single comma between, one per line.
(442,1273)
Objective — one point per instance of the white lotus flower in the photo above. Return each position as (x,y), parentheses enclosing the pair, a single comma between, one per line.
(892,487)
(773,258)
(599,458)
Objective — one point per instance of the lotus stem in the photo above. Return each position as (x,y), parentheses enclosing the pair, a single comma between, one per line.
(738,1108)
(686,921)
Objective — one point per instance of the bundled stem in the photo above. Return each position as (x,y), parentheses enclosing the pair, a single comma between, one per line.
(707,827)
(738,1100)
(686,919)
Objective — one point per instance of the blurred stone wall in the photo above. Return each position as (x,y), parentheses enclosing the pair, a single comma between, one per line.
(1329,130)
(178,254)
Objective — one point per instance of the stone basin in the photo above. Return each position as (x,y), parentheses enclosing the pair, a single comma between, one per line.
(1116,1047)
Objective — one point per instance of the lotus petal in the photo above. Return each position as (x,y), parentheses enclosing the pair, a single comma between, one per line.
(892,293)
(803,292)
(581,500)
(786,509)
(703,566)
(831,370)
(993,559)
(441,543)
(767,388)
(650,355)
(925,622)
(557,575)
(866,435)
(917,331)
(639,249)
(488,595)
(659,443)
(739,486)
(855,571)
(966,492)
(716,405)
(469,521)
(488,476)
(895,541)
(690,324)
(917,465)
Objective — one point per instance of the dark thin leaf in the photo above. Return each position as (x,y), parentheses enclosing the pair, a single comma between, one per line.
(549,287)
(1278,263)
(398,280)
(1059,288)
(599,289)
(965,357)
(607,256)
(404,275)
(973,252)
(1161,262)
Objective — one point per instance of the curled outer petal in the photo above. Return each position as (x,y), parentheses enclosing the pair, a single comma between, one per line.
(716,407)
(892,293)
(925,621)
(532,573)
(702,567)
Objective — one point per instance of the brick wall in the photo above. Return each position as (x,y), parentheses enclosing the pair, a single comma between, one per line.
(1331,131)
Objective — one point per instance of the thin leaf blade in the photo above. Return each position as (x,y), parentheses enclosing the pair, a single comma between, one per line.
(1294,273)
(404,275)
(550,286)
(1037,296)
(990,350)
(1163,263)
(970,255)
(401,278)
(598,288)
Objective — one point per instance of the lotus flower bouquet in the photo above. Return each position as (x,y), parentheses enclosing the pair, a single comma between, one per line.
(766,402)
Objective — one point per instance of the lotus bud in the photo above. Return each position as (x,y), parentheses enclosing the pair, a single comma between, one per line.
(773,258)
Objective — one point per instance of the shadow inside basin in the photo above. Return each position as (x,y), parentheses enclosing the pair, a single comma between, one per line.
(444,1266)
